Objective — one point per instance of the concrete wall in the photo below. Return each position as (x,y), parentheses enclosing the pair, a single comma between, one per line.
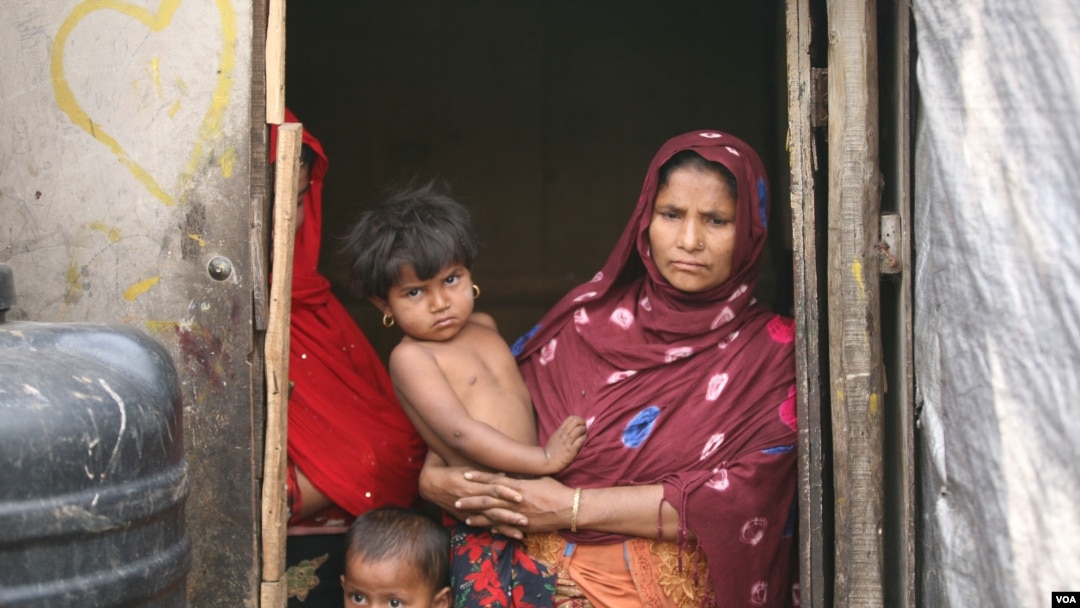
(542,116)
(124,149)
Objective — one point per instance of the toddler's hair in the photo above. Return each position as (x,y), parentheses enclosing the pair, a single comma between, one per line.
(402,534)
(423,227)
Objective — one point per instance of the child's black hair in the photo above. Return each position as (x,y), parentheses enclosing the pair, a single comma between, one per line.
(425,228)
(402,534)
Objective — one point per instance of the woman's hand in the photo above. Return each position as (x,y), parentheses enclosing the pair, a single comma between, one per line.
(471,496)
(511,506)
(540,504)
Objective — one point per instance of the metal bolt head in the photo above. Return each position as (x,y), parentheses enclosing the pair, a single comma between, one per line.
(220,268)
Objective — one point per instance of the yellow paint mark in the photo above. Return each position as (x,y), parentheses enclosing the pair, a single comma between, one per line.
(212,122)
(155,75)
(174,108)
(161,326)
(198,239)
(156,21)
(140,288)
(873,406)
(839,395)
(228,161)
(110,231)
(75,288)
(856,269)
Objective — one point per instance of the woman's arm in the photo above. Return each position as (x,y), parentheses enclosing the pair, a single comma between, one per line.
(513,506)
(547,505)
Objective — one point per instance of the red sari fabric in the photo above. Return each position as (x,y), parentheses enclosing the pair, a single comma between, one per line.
(347,431)
(694,391)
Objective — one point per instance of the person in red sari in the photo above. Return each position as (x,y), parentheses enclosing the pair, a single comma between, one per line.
(351,448)
(684,492)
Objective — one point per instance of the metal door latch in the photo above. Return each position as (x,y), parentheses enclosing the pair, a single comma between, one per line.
(891,246)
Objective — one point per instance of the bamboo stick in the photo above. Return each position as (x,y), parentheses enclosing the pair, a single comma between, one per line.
(274,498)
(275,63)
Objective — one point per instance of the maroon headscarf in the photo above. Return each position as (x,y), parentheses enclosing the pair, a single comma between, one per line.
(347,431)
(694,391)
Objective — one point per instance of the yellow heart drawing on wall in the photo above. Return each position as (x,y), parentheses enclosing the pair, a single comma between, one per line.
(155,21)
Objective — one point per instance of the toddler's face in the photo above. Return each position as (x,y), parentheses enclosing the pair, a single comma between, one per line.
(389,583)
(433,309)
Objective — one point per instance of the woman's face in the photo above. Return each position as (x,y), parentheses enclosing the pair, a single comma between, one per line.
(303,184)
(692,231)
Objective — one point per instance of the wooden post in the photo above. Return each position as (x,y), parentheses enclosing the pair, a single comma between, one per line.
(275,63)
(902,376)
(807,318)
(855,354)
(274,499)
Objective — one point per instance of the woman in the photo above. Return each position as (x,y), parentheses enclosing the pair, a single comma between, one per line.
(350,446)
(687,384)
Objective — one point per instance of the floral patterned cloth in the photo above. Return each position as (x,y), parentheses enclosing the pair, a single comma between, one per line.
(493,571)
(694,391)
(314,565)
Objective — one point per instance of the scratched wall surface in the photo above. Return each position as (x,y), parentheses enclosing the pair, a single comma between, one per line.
(124,147)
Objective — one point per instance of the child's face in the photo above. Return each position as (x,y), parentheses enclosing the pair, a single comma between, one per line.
(389,583)
(431,310)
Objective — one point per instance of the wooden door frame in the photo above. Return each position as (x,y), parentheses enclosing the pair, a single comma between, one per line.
(857,492)
(819,564)
(802,93)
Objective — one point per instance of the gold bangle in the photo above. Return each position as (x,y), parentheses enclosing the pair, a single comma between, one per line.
(573,512)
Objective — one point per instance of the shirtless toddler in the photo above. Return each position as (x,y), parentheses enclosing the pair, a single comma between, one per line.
(453,373)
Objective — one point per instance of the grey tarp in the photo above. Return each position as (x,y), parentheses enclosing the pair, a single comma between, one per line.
(997,281)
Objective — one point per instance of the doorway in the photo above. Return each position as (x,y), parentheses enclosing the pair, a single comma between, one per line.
(540,116)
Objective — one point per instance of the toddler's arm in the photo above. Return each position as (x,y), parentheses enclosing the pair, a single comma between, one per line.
(434,407)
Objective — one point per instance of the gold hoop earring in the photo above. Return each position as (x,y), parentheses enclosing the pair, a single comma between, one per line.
(475,291)
(387,321)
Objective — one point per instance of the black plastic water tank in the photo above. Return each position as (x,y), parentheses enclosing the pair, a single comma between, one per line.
(93,479)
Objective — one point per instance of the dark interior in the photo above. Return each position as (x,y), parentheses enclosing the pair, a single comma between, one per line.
(541,116)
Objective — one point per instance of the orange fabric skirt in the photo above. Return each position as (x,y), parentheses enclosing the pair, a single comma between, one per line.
(638,573)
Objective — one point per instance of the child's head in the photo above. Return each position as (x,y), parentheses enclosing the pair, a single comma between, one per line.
(397,557)
(422,228)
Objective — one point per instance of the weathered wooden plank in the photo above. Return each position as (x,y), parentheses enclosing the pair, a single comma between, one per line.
(275,63)
(274,593)
(275,511)
(258,238)
(804,245)
(856,373)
